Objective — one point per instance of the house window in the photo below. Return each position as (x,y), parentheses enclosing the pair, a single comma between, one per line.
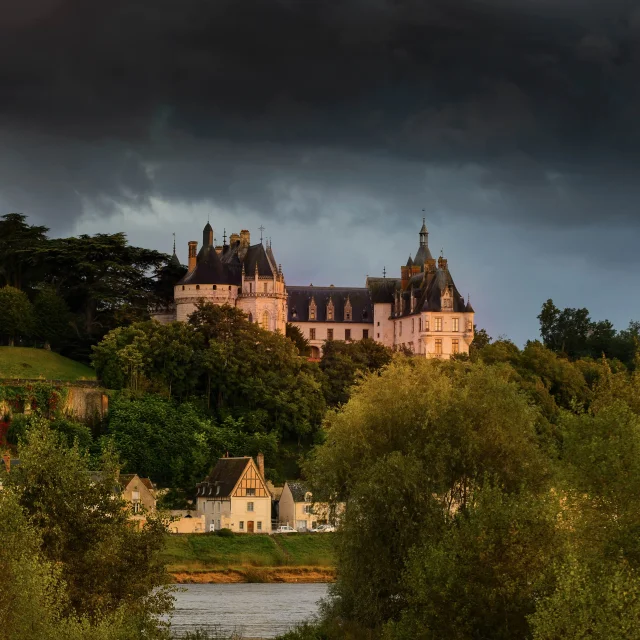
(136,507)
(312,309)
(265,287)
(378,334)
(259,525)
(455,324)
(438,324)
(251,492)
(329,334)
(307,508)
(400,327)
(365,334)
(455,346)
(330,310)
(312,334)
(241,525)
(438,346)
(265,320)
(219,524)
(347,334)
(347,311)
(249,506)
(413,325)
(197,286)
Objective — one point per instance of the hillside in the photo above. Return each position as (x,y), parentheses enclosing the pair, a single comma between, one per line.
(24,362)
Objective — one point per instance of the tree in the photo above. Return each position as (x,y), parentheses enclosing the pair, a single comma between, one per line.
(51,319)
(105,563)
(343,362)
(296,336)
(19,243)
(16,318)
(480,339)
(411,453)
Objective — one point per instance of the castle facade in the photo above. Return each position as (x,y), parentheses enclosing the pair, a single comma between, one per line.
(421,312)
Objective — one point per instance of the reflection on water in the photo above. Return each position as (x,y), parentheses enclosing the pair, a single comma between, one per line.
(253,610)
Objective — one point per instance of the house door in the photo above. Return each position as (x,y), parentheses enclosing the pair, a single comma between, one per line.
(250,526)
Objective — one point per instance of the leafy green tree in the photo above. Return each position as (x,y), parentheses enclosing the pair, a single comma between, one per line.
(176,445)
(480,340)
(18,245)
(16,319)
(565,330)
(52,319)
(296,336)
(410,452)
(105,563)
(343,362)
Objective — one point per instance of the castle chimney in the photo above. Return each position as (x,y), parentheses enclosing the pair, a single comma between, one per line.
(233,238)
(442,263)
(193,253)
(405,274)
(260,459)
(245,238)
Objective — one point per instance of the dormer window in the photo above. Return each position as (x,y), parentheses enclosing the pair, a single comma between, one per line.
(294,313)
(330,310)
(446,300)
(348,312)
(312,309)
(307,496)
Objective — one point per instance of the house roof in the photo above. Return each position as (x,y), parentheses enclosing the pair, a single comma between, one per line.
(125,478)
(225,475)
(299,299)
(298,490)
(382,289)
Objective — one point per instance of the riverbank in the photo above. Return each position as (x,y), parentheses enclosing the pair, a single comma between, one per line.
(288,558)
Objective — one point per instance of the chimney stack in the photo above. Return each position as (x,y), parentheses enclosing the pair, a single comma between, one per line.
(193,252)
(260,459)
(233,238)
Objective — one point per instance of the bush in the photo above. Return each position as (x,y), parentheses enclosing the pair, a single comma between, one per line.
(225,533)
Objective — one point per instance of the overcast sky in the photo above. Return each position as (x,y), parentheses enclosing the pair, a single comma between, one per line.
(515,125)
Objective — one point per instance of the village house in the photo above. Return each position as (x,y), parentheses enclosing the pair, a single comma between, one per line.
(297,509)
(139,492)
(235,496)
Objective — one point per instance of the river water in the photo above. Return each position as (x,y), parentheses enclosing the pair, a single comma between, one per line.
(252,610)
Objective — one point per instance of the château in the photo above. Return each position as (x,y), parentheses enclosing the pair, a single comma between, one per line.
(421,312)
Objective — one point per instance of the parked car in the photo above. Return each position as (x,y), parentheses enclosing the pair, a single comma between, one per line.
(285,528)
(324,528)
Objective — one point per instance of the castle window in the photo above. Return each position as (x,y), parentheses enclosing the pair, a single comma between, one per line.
(250,317)
(265,320)
(400,333)
(329,334)
(438,346)
(312,309)
(312,334)
(438,324)
(265,287)
(455,324)
(455,346)
(251,287)
(229,287)
(183,287)
(330,310)
(197,286)
(413,325)
(365,334)
(347,310)
(347,334)
(215,287)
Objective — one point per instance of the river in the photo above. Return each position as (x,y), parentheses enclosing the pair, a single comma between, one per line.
(252,610)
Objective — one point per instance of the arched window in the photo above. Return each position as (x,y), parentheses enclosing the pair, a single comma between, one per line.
(265,320)
(197,286)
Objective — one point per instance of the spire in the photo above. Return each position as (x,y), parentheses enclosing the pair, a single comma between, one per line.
(174,258)
(224,236)
(424,234)
(384,272)
(207,236)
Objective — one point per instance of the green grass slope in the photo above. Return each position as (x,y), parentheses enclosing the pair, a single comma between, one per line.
(23,362)
(202,552)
